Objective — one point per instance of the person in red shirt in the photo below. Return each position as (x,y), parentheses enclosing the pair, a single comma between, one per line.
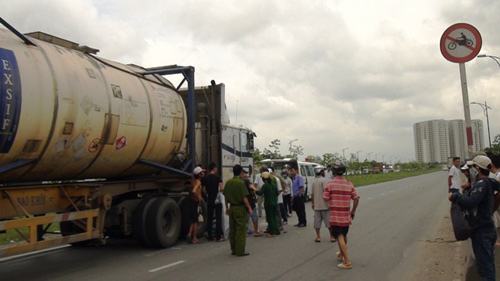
(338,193)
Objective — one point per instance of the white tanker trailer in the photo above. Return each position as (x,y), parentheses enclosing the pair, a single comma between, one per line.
(100,148)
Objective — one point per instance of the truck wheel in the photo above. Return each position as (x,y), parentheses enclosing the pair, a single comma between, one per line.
(139,221)
(163,223)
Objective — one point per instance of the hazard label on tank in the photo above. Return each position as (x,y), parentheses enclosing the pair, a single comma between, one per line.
(120,143)
(94,145)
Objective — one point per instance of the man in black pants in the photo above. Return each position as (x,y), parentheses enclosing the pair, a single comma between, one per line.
(479,203)
(213,185)
(298,196)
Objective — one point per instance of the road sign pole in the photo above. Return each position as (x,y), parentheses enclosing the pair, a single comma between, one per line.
(468,122)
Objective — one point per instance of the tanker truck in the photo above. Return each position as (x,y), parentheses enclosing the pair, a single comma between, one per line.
(92,149)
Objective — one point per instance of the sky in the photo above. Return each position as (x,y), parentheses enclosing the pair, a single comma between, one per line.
(333,74)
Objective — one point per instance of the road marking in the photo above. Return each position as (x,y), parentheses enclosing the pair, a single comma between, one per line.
(166,266)
(33,253)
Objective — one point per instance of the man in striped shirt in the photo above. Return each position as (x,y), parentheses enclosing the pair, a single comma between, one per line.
(339,192)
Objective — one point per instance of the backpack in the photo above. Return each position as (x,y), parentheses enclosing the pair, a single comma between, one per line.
(461,226)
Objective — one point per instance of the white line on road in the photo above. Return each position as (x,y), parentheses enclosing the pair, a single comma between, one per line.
(166,266)
(33,253)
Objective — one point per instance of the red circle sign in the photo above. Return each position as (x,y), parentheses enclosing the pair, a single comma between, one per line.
(460,43)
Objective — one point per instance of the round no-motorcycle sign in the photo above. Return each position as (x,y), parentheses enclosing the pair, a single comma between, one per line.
(460,43)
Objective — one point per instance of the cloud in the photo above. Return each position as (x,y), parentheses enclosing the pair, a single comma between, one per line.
(332,74)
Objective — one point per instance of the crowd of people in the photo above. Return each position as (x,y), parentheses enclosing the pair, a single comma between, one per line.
(474,187)
(277,194)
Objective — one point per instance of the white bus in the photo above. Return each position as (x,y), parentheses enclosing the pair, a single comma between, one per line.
(306,169)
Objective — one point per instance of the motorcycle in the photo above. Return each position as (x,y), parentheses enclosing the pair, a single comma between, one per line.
(460,41)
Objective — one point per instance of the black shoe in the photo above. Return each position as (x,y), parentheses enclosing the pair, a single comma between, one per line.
(244,254)
(301,225)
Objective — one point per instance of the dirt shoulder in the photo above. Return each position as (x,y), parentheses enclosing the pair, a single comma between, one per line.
(440,257)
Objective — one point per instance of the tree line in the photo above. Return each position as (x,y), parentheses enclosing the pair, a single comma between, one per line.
(273,151)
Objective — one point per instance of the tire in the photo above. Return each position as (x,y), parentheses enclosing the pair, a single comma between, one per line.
(139,221)
(163,223)
(452,46)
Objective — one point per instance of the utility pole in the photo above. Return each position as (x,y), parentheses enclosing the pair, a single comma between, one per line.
(485,108)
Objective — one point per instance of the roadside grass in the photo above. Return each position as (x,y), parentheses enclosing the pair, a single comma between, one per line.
(360,180)
(11,235)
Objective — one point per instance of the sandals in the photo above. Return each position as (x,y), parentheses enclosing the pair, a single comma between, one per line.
(317,240)
(344,266)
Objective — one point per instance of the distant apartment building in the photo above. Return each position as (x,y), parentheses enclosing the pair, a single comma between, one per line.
(437,140)
(431,141)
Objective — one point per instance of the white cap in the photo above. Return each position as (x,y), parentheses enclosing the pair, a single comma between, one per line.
(197,170)
(482,161)
(265,175)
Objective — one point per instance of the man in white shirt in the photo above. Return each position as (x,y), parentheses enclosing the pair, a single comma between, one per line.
(258,182)
(454,181)
(287,194)
(320,205)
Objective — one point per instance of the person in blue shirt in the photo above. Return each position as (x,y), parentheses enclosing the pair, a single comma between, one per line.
(299,197)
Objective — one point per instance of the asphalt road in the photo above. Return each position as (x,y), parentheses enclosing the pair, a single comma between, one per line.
(392,219)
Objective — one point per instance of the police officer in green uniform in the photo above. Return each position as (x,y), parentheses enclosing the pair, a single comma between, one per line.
(238,208)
